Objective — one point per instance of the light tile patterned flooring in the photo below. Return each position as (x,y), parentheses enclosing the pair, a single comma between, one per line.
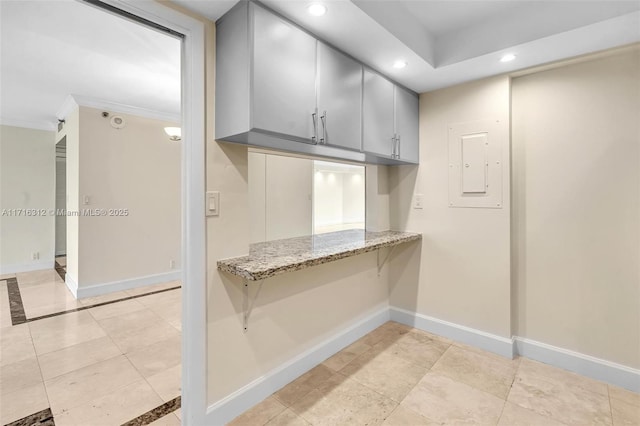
(397,375)
(109,364)
(102,366)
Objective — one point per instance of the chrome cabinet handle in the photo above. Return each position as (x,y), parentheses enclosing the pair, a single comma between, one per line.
(315,128)
(397,146)
(393,146)
(323,118)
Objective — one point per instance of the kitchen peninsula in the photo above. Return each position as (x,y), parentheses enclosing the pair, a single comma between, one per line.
(272,258)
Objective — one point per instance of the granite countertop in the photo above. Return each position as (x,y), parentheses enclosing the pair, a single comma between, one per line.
(277,257)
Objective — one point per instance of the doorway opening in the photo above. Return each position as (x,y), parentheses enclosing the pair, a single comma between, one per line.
(60,264)
(121,333)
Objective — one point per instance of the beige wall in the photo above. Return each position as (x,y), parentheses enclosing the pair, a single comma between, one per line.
(227,169)
(290,316)
(288,194)
(279,196)
(293,313)
(27,181)
(461,272)
(376,198)
(576,144)
(257,190)
(135,168)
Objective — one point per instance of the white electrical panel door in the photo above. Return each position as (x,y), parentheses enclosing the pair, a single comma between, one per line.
(475,163)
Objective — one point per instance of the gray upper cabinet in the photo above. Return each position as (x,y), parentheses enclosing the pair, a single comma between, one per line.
(378,115)
(265,79)
(390,119)
(279,87)
(339,99)
(407,119)
(284,70)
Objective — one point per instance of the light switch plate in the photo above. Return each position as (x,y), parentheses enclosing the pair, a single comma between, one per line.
(212,203)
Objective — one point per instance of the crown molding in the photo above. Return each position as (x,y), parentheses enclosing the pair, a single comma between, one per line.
(73,101)
(28,124)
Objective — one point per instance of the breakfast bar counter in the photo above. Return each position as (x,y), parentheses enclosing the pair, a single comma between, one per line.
(273,258)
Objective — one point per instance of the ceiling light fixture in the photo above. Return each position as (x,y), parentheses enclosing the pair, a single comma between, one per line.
(317,9)
(508,57)
(399,64)
(175,133)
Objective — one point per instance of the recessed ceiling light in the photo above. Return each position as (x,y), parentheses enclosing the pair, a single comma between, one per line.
(399,64)
(317,9)
(508,57)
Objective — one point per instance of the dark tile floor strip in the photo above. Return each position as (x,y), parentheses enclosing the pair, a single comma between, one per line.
(83,308)
(153,415)
(15,302)
(61,270)
(41,418)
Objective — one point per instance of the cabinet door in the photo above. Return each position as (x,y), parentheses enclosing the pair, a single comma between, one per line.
(339,99)
(284,70)
(377,111)
(407,119)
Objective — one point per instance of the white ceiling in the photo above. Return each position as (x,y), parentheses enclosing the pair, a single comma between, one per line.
(443,17)
(452,41)
(469,37)
(50,49)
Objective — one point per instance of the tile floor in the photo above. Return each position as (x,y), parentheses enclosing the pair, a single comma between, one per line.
(397,375)
(100,365)
(111,364)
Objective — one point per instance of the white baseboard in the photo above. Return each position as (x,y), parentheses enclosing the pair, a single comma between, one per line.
(241,400)
(595,368)
(460,333)
(588,366)
(246,397)
(72,284)
(99,289)
(26,267)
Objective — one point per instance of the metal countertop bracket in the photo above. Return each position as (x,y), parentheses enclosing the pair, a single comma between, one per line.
(248,302)
(381,265)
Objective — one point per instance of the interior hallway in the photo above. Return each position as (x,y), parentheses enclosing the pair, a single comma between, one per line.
(397,375)
(106,360)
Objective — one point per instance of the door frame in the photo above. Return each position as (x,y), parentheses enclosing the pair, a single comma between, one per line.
(194,262)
